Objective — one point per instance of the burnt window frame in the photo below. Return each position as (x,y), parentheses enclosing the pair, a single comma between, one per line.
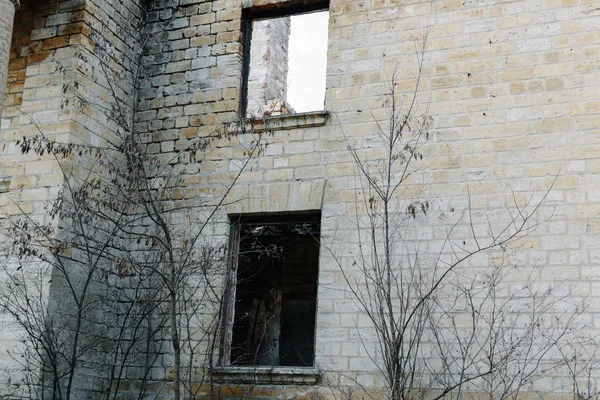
(228,317)
(268,11)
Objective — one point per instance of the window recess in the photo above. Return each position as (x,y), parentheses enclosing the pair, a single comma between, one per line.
(272,292)
(285,59)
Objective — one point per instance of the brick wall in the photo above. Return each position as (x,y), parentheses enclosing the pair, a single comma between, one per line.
(7,12)
(512,87)
(39,60)
(58,89)
(18,63)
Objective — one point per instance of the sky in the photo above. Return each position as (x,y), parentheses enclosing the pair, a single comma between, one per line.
(308,61)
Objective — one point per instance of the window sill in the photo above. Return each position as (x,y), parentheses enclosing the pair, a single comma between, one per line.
(289,121)
(267,375)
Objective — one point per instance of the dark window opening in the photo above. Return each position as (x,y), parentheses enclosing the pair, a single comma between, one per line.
(285,58)
(273,322)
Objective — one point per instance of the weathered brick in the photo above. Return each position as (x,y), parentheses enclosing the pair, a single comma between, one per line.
(511,86)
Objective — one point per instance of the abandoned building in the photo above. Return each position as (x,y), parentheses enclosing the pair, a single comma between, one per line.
(496,104)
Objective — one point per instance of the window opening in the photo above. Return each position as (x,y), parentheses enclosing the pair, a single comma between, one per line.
(274,293)
(286,63)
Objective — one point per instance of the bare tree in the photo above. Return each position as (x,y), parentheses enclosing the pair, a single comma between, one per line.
(444,323)
(120,238)
(123,227)
(581,366)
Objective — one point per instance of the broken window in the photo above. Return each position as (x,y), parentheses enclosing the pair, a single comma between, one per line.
(273,292)
(285,61)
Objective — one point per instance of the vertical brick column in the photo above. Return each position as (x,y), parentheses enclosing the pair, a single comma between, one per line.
(7,15)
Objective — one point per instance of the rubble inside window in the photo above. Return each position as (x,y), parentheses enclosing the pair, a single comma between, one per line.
(275,292)
(285,63)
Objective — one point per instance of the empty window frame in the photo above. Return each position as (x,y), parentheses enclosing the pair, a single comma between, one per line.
(285,60)
(272,291)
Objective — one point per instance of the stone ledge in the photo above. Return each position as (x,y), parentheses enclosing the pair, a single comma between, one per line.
(288,121)
(267,375)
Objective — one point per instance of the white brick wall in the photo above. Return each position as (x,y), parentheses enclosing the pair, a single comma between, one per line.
(513,87)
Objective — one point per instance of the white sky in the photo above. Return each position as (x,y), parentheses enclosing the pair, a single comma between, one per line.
(307,61)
